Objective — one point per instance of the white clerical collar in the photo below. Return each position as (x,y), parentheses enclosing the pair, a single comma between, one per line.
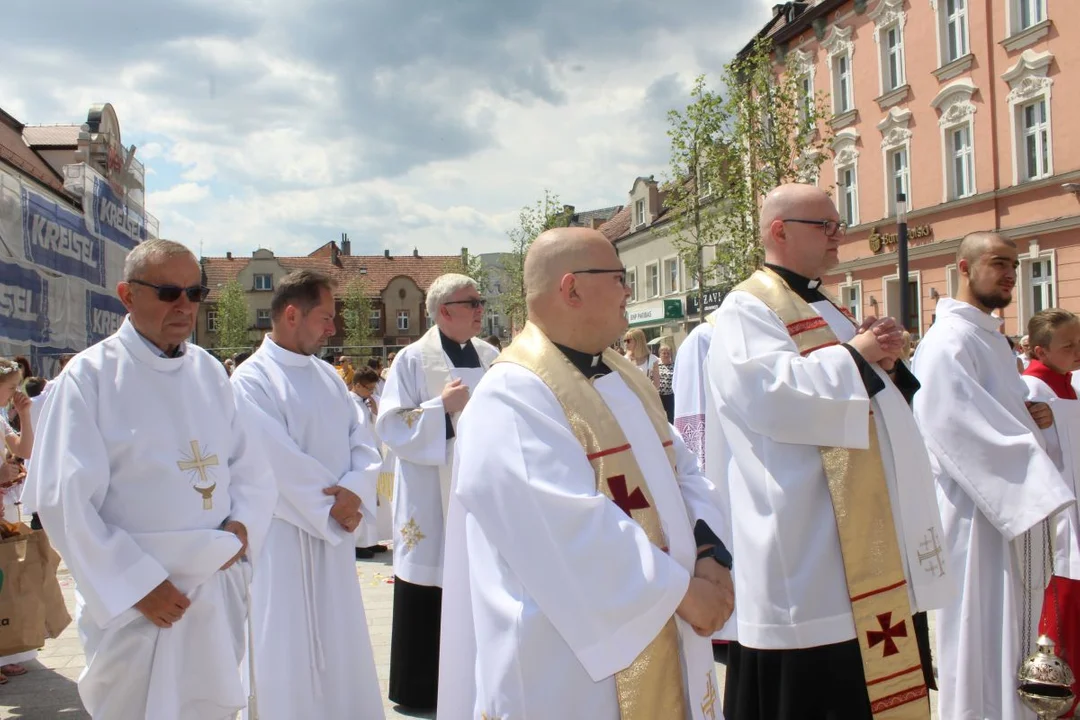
(968,312)
(283,356)
(145,351)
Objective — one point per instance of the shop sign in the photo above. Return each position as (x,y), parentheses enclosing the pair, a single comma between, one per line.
(713,298)
(881,241)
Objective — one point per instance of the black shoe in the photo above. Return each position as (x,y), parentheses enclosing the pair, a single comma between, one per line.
(364,554)
(377,549)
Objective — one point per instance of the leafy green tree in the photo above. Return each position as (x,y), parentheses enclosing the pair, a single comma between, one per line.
(356,313)
(233,321)
(544,214)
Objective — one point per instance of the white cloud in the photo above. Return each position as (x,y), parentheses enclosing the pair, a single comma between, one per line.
(182,194)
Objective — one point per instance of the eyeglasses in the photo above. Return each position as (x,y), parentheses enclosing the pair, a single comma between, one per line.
(832,228)
(473,303)
(621,272)
(172,293)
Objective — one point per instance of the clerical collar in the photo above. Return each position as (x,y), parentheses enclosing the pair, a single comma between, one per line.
(588,365)
(809,290)
(462,355)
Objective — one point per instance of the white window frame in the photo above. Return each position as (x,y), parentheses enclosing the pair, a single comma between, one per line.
(677,287)
(837,43)
(262,315)
(897,180)
(1029,84)
(1025,299)
(896,138)
(269,281)
(952,280)
(889,15)
(802,65)
(1039,133)
(962,19)
(211,321)
(915,275)
(846,157)
(639,213)
(402,315)
(857,286)
(967,157)
(649,294)
(957,110)
(1015,13)
(375,319)
(631,282)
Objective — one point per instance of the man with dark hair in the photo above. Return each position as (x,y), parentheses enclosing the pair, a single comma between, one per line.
(306,602)
(494,341)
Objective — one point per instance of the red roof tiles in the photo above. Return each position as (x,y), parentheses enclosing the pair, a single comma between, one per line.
(16,153)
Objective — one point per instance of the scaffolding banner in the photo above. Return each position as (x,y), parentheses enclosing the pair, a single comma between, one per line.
(24,303)
(104,315)
(56,238)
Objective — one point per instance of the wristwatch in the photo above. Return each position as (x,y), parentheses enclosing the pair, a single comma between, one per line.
(719,553)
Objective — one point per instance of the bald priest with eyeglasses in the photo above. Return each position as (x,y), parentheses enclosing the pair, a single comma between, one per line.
(155,492)
(429,385)
(834,519)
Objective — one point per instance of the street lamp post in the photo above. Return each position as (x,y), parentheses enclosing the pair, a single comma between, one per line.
(902,258)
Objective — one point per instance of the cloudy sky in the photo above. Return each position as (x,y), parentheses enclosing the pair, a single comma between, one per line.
(406,123)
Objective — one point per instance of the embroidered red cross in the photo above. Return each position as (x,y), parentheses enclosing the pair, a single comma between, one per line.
(626,501)
(887,633)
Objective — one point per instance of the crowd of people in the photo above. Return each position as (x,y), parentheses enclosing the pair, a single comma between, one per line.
(572,526)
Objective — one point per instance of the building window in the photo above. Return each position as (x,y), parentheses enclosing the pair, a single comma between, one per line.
(956,29)
(846,163)
(806,102)
(898,179)
(652,280)
(894,59)
(842,84)
(961,166)
(639,213)
(851,298)
(913,322)
(631,282)
(671,275)
(403,320)
(211,321)
(1035,277)
(262,318)
(952,280)
(1036,137)
(264,282)
(1027,13)
(375,319)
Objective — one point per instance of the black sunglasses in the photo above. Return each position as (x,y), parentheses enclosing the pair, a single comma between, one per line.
(473,303)
(172,293)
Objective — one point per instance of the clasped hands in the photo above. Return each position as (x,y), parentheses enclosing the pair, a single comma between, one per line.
(879,341)
(709,599)
(165,604)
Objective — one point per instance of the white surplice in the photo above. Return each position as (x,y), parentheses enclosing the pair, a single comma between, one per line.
(553,583)
(412,423)
(1062,441)
(377,526)
(126,442)
(313,655)
(775,409)
(994,483)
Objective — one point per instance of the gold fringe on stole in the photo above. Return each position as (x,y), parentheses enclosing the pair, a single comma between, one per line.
(652,686)
(873,563)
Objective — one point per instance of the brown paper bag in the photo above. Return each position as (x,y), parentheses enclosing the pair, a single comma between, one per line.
(31,602)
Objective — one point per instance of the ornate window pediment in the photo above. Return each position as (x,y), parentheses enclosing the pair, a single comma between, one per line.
(837,42)
(894,128)
(954,102)
(1027,78)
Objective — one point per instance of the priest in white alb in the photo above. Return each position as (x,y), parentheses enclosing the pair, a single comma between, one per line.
(313,656)
(577,571)
(836,531)
(153,487)
(428,386)
(995,484)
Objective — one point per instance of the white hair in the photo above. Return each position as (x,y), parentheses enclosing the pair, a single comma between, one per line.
(443,287)
(150,253)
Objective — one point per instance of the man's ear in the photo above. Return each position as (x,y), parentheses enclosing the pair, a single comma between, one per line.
(124,291)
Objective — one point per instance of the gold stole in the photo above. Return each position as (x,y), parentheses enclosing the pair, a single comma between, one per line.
(652,686)
(873,563)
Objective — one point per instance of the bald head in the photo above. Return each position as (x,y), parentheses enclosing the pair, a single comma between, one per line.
(560,251)
(976,244)
(785,201)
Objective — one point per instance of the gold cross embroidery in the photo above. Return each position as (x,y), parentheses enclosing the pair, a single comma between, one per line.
(198,464)
(411,416)
(708,705)
(411,534)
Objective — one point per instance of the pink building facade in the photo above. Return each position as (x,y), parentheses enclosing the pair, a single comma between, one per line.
(968,108)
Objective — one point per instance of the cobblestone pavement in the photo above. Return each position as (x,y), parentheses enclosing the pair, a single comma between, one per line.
(48,691)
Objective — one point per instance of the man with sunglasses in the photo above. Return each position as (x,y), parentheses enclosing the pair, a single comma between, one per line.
(428,386)
(829,485)
(152,488)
